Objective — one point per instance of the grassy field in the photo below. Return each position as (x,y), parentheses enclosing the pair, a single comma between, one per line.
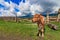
(25,31)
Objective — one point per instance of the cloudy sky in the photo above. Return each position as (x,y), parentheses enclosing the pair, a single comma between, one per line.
(27,7)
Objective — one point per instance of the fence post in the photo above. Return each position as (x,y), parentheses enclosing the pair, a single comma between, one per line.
(58,16)
(47,17)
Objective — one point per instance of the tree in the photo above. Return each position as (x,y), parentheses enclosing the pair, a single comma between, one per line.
(16,19)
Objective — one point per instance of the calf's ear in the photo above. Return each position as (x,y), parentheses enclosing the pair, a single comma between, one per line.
(39,16)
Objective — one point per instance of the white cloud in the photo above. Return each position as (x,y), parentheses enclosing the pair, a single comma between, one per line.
(58,4)
(1,1)
(6,13)
(53,4)
(1,10)
(56,8)
(8,10)
(56,1)
(26,8)
(19,14)
(35,8)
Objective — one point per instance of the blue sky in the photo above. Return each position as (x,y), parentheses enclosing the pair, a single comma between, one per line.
(15,1)
(27,7)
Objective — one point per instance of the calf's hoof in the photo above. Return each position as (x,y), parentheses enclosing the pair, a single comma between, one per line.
(37,34)
(42,35)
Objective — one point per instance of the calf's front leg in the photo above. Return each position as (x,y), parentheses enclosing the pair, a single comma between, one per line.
(42,32)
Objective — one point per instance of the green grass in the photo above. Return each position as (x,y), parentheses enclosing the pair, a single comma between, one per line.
(26,31)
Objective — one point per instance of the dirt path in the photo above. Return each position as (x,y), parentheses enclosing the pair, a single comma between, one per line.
(11,36)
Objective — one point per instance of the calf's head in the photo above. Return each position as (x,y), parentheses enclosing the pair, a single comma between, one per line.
(36,18)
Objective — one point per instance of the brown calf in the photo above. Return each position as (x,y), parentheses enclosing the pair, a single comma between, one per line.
(39,19)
